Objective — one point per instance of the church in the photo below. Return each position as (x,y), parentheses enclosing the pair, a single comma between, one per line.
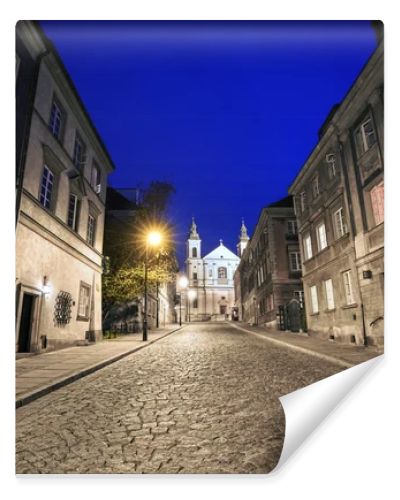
(210,294)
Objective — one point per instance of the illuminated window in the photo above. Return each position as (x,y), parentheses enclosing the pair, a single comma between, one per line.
(314,299)
(307,246)
(340,222)
(377,201)
(330,302)
(84,301)
(348,287)
(321,236)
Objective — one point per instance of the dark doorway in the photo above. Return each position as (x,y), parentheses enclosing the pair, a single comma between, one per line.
(25,326)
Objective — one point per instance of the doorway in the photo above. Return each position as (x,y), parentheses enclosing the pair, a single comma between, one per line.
(25,325)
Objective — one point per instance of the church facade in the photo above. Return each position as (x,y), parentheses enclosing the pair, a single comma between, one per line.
(210,292)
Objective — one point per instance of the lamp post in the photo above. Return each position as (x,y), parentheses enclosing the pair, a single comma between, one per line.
(183,283)
(153,239)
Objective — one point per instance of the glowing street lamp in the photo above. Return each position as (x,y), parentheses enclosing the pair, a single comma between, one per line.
(182,283)
(153,239)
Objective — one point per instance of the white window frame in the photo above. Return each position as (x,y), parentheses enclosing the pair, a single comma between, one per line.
(329,296)
(363,146)
(84,301)
(315,187)
(91,230)
(340,222)
(95,175)
(297,261)
(307,246)
(314,299)
(322,241)
(74,221)
(348,287)
(56,119)
(46,187)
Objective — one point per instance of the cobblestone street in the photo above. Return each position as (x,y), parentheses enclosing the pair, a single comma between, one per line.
(203,400)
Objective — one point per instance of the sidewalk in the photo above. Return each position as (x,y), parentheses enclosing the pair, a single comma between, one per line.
(343,354)
(43,373)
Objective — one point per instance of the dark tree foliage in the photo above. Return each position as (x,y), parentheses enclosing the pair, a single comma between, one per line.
(125,249)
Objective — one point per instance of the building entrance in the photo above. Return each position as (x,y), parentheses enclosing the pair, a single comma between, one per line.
(25,326)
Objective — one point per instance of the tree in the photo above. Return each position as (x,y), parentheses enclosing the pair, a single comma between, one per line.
(125,247)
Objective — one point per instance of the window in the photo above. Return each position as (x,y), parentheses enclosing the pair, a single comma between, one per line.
(294,261)
(194,252)
(84,301)
(348,287)
(56,123)
(195,276)
(46,187)
(314,299)
(364,136)
(222,273)
(377,202)
(91,230)
(331,161)
(330,303)
(292,227)
(95,179)
(340,223)
(315,187)
(303,201)
(210,273)
(195,303)
(307,246)
(73,212)
(321,236)
(79,157)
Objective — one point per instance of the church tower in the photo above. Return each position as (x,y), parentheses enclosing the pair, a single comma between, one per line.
(243,240)
(193,245)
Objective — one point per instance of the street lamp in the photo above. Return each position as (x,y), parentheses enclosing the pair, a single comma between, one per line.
(191,296)
(182,283)
(153,239)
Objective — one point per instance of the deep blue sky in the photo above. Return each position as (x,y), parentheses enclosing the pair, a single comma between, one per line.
(226,111)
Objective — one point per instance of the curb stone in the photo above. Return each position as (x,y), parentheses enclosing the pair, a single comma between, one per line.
(304,350)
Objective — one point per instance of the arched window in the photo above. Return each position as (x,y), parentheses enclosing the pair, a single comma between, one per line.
(222,273)
(194,252)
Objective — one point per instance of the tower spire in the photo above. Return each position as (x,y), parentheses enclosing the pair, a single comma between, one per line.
(243,239)
(193,234)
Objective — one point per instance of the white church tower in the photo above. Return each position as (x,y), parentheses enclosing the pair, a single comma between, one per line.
(210,293)
(243,240)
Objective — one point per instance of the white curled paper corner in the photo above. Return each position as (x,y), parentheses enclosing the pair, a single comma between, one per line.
(306,408)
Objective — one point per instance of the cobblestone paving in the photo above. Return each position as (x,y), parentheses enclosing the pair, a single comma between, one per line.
(203,400)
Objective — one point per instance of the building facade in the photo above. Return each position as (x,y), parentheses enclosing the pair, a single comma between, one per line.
(62,168)
(269,273)
(210,293)
(340,212)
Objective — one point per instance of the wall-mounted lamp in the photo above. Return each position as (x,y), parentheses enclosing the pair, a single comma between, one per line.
(367,275)
(46,289)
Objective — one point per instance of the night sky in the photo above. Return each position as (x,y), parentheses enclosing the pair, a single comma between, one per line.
(226,111)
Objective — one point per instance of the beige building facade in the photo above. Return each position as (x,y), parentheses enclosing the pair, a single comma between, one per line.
(339,199)
(269,274)
(61,188)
